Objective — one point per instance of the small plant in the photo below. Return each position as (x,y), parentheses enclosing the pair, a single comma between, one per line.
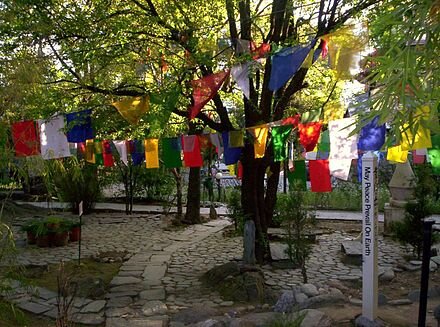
(297,220)
(235,211)
(65,297)
(288,320)
(410,230)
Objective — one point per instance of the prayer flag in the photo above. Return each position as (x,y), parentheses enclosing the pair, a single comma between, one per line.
(395,154)
(298,175)
(137,152)
(240,73)
(171,152)
(372,136)
(79,126)
(259,137)
(340,168)
(53,141)
(280,134)
(204,90)
(309,134)
(342,145)
(320,176)
(285,64)
(191,151)
(107,154)
(418,159)
(26,141)
(90,151)
(216,139)
(422,137)
(311,116)
(152,153)
(133,108)
(333,111)
(231,155)
(121,148)
(259,52)
(291,120)
(97,145)
(434,154)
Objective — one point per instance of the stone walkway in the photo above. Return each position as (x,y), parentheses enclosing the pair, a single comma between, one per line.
(162,273)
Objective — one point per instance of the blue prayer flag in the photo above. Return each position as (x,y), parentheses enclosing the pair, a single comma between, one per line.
(231,155)
(372,136)
(79,125)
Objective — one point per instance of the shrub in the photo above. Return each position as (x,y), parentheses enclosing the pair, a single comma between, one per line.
(235,211)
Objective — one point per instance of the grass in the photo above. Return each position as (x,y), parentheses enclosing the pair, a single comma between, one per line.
(11,316)
(88,271)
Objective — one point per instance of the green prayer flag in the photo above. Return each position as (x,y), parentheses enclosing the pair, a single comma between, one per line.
(99,159)
(324,143)
(279,139)
(171,152)
(298,175)
(434,154)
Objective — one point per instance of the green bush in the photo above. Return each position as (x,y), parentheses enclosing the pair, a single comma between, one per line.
(235,211)
(154,184)
(73,181)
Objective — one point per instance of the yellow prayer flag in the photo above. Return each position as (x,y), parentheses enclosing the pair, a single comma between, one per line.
(151,153)
(260,138)
(133,108)
(333,111)
(231,169)
(397,155)
(422,139)
(90,151)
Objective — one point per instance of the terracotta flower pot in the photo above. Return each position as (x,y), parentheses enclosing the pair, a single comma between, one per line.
(74,234)
(43,241)
(60,239)
(31,239)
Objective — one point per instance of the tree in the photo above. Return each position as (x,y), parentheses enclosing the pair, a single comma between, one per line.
(97,49)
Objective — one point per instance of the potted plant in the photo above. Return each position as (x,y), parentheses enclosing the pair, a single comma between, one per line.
(30,227)
(54,222)
(74,232)
(42,234)
(60,235)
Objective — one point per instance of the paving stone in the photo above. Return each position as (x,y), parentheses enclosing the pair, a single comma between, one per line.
(309,290)
(33,307)
(120,312)
(44,293)
(119,302)
(94,307)
(154,272)
(121,294)
(160,258)
(154,308)
(52,313)
(400,302)
(127,288)
(118,281)
(153,294)
(136,322)
(88,318)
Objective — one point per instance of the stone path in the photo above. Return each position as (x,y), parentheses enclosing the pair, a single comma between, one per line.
(162,273)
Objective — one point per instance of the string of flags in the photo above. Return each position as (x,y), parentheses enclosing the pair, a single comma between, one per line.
(329,152)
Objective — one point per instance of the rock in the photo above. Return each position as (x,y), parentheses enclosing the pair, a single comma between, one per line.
(352,248)
(414,295)
(212,213)
(226,303)
(94,307)
(260,319)
(119,302)
(152,308)
(400,302)
(153,294)
(278,251)
(220,273)
(119,312)
(33,307)
(88,318)
(195,314)
(136,322)
(300,297)
(210,323)
(309,290)
(322,300)
(432,266)
(387,276)
(416,262)
(362,321)
(44,293)
(437,312)
(436,259)
(285,303)
(314,318)
(118,281)
(249,242)
(354,301)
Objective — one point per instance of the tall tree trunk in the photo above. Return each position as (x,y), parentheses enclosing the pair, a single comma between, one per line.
(192,215)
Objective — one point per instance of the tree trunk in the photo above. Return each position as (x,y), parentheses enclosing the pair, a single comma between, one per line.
(192,215)
(178,177)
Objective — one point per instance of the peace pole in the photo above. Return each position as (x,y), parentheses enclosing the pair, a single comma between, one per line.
(369,236)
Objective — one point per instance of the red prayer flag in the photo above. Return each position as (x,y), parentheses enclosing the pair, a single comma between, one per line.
(309,134)
(291,120)
(418,159)
(240,170)
(191,151)
(204,90)
(261,51)
(25,138)
(320,176)
(107,154)
(324,48)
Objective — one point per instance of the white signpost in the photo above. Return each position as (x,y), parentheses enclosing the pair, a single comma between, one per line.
(369,236)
